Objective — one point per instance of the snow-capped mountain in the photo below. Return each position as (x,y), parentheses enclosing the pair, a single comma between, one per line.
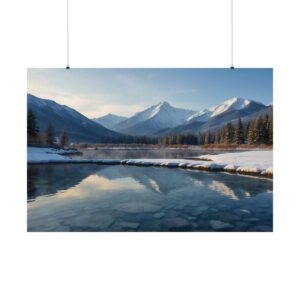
(78,127)
(109,120)
(153,119)
(231,104)
(200,116)
(157,120)
(217,116)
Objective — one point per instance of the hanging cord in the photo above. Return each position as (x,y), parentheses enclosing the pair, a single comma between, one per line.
(231,67)
(68,36)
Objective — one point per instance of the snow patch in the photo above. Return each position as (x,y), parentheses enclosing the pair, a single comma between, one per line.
(248,162)
(36,154)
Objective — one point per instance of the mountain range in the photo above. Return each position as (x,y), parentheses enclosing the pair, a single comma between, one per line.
(153,119)
(109,120)
(164,119)
(158,120)
(216,117)
(80,128)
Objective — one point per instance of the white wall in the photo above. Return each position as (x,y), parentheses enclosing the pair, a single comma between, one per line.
(156,33)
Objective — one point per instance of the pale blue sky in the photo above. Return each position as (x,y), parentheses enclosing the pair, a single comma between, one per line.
(96,92)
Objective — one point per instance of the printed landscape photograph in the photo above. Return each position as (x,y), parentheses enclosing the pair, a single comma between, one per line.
(150,150)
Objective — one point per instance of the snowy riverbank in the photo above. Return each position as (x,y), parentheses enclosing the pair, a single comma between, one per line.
(249,162)
(40,154)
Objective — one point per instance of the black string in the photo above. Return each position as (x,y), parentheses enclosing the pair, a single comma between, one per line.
(68,37)
(231,67)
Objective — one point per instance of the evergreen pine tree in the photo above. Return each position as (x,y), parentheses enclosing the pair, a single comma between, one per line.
(251,133)
(266,129)
(212,138)
(64,139)
(270,131)
(217,137)
(32,128)
(229,133)
(50,135)
(239,137)
(246,130)
(259,130)
(223,136)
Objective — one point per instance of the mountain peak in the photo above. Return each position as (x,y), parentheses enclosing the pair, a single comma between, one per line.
(231,104)
(109,120)
(157,117)
(234,103)
(163,104)
(238,100)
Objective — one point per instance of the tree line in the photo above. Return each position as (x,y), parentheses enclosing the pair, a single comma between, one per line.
(46,138)
(254,132)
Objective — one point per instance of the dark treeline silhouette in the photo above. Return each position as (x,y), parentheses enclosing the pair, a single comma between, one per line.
(32,128)
(254,132)
(47,138)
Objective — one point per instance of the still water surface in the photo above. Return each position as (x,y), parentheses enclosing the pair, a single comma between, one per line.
(119,153)
(129,198)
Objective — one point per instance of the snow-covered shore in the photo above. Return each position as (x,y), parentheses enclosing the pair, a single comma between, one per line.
(39,154)
(248,162)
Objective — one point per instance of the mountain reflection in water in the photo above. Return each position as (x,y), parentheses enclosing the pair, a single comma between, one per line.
(91,197)
(50,179)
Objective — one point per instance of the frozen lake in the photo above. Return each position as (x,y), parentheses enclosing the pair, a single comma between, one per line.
(129,198)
